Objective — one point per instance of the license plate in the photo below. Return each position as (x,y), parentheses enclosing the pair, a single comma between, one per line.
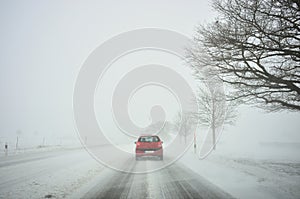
(149,151)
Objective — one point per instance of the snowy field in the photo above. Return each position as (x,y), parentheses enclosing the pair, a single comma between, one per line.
(252,175)
(40,173)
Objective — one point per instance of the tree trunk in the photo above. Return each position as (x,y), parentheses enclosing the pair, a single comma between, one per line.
(213,126)
(214,137)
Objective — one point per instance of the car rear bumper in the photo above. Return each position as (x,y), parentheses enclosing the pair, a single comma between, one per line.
(148,152)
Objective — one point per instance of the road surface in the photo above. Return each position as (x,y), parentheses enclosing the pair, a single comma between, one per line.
(74,174)
(175,181)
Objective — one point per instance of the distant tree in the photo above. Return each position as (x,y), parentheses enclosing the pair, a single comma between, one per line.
(18,132)
(183,123)
(254,46)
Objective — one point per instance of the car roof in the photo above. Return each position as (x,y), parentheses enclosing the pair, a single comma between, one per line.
(149,136)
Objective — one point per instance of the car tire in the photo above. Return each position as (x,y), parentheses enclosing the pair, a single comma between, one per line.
(161,157)
(137,158)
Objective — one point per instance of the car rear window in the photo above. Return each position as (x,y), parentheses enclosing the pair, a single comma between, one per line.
(149,139)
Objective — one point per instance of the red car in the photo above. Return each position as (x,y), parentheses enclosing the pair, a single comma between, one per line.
(148,145)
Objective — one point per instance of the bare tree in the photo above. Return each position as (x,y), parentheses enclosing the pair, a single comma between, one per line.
(183,123)
(255,46)
(214,111)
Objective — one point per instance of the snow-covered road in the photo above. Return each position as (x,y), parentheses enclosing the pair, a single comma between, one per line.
(72,173)
(175,181)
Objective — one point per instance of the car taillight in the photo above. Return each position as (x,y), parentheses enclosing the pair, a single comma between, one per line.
(159,144)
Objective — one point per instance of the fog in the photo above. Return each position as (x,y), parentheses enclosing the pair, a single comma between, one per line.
(98,74)
(44,44)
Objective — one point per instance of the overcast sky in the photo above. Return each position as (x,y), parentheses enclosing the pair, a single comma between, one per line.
(44,44)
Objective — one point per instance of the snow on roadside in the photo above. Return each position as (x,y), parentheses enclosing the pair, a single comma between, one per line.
(41,149)
(54,177)
(247,177)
